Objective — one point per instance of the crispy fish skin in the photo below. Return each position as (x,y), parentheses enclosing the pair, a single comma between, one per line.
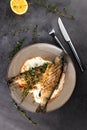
(16,80)
(50,81)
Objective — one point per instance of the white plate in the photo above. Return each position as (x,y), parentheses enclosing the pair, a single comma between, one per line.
(50,52)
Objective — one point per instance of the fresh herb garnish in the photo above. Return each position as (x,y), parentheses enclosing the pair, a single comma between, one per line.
(16,49)
(20,31)
(32,71)
(53,8)
(24,113)
(45,65)
(25,93)
(32,77)
(35,33)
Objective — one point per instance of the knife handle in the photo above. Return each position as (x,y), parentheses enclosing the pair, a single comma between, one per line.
(76,55)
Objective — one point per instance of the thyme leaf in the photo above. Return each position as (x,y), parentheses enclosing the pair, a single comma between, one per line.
(32,77)
(20,31)
(25,93)
(53,8)
(24,113)
(16,49)
(34,38)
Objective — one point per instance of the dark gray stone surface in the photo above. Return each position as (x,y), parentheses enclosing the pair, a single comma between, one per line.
(73,115)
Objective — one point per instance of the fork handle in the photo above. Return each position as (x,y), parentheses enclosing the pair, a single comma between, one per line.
(58,41)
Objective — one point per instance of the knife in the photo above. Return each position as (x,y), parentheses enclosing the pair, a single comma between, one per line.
(68,40)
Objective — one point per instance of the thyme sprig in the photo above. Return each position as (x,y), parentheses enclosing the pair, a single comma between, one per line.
(16,49)
(20,31)
(34,38)
(53,8)
(24,113)
(32,77)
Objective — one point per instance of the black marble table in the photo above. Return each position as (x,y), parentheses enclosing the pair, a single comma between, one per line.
(73,115)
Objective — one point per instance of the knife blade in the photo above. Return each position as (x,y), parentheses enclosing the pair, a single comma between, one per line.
(68,40)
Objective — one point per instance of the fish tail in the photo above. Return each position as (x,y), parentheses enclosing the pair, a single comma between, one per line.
(41,109)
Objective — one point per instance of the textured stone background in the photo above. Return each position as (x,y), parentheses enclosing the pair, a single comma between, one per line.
(73,115)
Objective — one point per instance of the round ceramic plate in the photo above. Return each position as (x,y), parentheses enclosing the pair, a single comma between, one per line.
(45,51)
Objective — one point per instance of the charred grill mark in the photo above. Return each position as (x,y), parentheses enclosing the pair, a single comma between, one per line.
(50,80)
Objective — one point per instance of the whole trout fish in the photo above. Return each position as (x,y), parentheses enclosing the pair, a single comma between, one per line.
(50,81)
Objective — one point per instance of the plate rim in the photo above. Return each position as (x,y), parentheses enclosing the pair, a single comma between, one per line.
(47,44)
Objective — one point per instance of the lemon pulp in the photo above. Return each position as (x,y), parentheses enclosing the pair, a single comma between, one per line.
(19,6)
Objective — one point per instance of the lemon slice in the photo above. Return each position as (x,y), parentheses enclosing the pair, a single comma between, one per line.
(19,6)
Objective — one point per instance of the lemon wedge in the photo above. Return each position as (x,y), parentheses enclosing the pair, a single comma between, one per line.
(19,6)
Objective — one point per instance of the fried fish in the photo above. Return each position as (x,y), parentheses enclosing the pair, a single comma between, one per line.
(50,81)
(27,79)
(42,80)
